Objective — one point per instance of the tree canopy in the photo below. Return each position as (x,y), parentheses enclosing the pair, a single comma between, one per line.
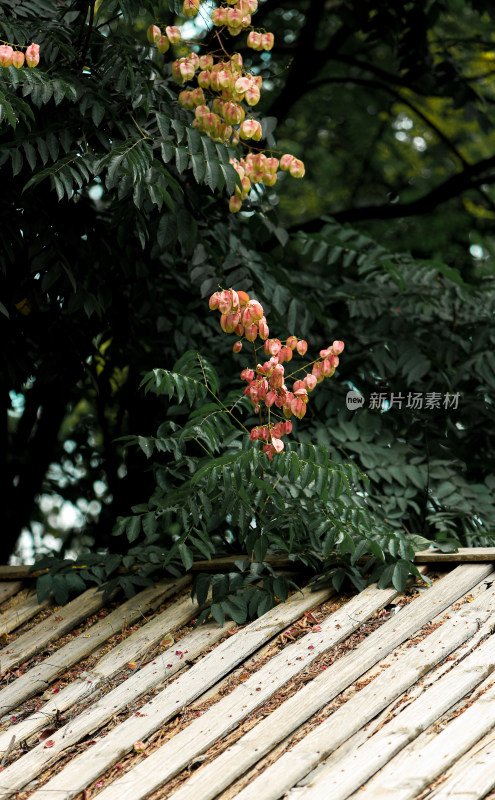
(116,229)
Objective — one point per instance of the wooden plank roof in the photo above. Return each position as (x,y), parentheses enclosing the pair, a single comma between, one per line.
(322,697)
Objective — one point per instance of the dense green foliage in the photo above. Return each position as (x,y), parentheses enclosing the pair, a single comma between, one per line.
(115,230)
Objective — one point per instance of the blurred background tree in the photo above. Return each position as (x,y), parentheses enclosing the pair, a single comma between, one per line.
(115,230)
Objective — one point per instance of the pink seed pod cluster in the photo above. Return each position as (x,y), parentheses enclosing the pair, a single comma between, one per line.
(218,100)
(260,41)
(10,57)
(225,92)
(162,40)
(266,384)
(258,168)
(236,17)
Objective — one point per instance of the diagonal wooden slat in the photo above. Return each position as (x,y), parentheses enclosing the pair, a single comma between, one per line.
(209,781)
(40,676)
(51,629)
(462,554)
(112,662)
(167,703)
(220,718)
(473,776)
(8,589)
(158,671)
(20,613)
(349,774)
(421,767)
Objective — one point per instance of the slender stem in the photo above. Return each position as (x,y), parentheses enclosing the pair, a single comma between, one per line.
(90,29)
(149,138)
(227,410)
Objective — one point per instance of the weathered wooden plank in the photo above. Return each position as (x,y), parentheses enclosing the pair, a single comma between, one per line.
(210,565)
(346,776)
(224,715)
(421,767)
(347,720)
(18,573)
(473,776)
(35,640)
(18,614)
(160,670)
(463,554)
(83,687)
(8,589)
(42,675)
(164,705)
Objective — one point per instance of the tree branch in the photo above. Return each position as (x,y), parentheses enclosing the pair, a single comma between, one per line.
(307,60)
(469,178)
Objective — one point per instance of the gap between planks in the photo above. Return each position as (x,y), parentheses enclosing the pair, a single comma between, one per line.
(321,690)
(472,777)
(21,612)
(226,713)
(350,773)
(402,669)
(8,589)
(169,759)
(109,665)
(420,767)
(55,664)
(169,702)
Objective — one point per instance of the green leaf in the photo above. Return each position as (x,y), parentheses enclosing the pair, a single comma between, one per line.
(186,556)
(198,167)
(214,176)
(201,587)
(60,589)
(150,524)
(133,528)
(181,158)
(400,575)
(218,613)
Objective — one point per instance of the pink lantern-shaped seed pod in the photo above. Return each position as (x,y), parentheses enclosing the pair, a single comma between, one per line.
(310,382)
(33,55)
(6,55)
(286,161)
(297,169)
(18,59)
(162,44)
(190,8)
(270,398)
(277,445)
(267,41)
(219,16)
(214,301)
(251,332)
(173,34)
(235,204)
(153,34)
(254,40)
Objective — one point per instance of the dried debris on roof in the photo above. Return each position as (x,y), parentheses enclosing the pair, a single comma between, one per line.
(370,695)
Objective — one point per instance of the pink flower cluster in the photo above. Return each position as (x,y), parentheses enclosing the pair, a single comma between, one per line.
(266,383)
(10,57)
